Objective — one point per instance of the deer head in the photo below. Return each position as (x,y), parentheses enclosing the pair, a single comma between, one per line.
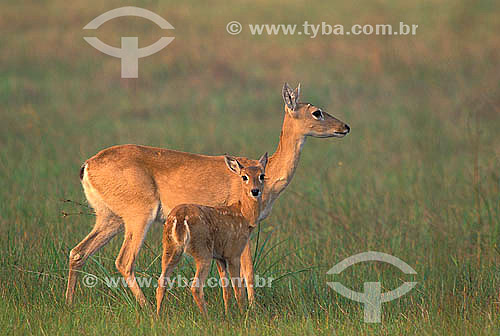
(252,177)
(309,120)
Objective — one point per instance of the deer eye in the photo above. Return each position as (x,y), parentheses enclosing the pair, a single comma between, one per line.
(318,115)
(262,176)
(245,178)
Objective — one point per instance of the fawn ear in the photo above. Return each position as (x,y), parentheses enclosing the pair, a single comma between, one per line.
(233,164)
(290,98)
(263,160)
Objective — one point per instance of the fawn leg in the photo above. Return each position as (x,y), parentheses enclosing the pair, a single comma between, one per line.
(202,270)
(170,258)
(237,281)
(226,293)
(247,272)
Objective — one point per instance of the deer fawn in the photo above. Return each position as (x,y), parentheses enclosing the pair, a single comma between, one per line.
(219,233)
(130,186)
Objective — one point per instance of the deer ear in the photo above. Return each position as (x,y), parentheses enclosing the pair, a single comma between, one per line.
(233,164)
(263,160)
(296,92)
(290,99)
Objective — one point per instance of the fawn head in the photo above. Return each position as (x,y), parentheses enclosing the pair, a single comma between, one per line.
(309,120)
(252,177)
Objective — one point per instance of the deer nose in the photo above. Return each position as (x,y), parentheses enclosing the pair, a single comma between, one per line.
(255,192)
(347,128)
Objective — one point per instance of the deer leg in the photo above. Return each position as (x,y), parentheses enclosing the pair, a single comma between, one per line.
(106,227)
(247,272)
(135,230)
(226,293)
(237,281)
(171,257)
(202,270)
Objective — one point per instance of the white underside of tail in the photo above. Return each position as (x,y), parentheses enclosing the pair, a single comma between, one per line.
(181,241)
(95,200)
(187,236)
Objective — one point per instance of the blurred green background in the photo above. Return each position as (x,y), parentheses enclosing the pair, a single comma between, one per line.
(418,177)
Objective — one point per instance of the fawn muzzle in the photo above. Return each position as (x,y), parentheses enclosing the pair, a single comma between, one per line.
(255,192)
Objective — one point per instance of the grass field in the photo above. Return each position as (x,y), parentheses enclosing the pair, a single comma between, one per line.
(418,177)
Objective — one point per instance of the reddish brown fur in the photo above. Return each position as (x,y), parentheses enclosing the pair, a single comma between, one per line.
(127,186)
(208,233)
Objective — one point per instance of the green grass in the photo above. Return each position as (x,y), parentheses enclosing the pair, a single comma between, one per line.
(418,177)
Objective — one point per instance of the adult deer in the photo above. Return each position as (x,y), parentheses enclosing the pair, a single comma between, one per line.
(129,186)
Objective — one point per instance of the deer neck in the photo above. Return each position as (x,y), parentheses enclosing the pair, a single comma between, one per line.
(284,161)
(250,209)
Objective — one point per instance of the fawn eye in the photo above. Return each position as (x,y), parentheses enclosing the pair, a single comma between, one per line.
(262,176)
(318,115)
(245,178)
